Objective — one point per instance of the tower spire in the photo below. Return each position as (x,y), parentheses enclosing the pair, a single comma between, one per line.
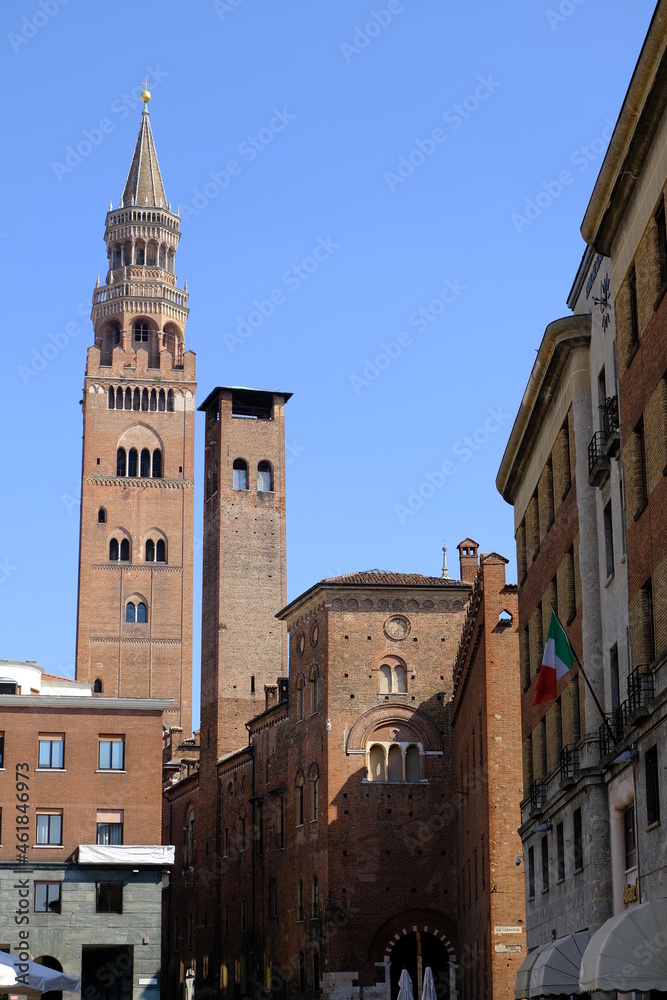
(144,181)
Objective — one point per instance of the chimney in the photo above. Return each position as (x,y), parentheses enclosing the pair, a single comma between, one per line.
(468,559)
(270,695)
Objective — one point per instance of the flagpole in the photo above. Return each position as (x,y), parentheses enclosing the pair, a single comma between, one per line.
(588,683)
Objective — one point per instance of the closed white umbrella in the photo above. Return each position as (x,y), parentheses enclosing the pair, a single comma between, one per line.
(405,986)
(428,990)
(7,976)
(38,977)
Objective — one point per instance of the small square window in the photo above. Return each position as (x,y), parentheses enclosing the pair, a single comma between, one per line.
(112,753)
(47,897)
(109,897)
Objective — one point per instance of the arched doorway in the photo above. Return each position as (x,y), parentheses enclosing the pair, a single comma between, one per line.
(415,951)
(51,963)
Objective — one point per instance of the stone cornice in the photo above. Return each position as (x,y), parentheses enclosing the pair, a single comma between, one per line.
(141,482)
(138,641)
(153,567)
(93,703)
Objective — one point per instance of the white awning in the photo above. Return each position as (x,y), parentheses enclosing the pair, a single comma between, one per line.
(558,966)
(17,974)
(629,951)
(125,854)
(522,986)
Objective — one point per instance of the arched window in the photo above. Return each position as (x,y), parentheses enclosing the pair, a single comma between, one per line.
(264,484)
(412,763)
(315,902)
(128,399)
(112,398)
(101,516)
(113,550)
(300,685)
(119,398)
(240,474)
(140,254)
(141,612)
(132,460)
(376,763)
(161,401)
(140,333)
(153,404)
(124,550)
(299,799)
(144,400)
(157,464)
(121,462)
(314,795)
(130,612)
(395,763)
(97,686)
(136,400)
(145,463)
(170,401)
(160,554)
(314,692)
(150,550)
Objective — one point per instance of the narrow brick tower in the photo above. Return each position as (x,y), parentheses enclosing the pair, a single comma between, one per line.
(244,647)
(134,623)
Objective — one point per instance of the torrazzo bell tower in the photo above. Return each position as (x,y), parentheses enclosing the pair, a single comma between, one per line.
(134,625)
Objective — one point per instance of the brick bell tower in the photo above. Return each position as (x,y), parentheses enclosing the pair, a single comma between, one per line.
(244,647)
(134,621)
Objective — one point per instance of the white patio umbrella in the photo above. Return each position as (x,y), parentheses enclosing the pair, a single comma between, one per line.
(428,990)
(38,977)
(405,986)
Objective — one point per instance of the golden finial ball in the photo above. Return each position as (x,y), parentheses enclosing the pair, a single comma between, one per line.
(145,96)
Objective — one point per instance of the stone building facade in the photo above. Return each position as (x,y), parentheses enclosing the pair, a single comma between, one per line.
(134,622)
(486,728)
(81,777)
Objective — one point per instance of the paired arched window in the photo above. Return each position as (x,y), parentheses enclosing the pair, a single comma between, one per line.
(155,551)
(393,677)
(101,516)
(135,612)
(119,551)
(130,464)
(395,762)
(300,691)
(264,478)
(240,474)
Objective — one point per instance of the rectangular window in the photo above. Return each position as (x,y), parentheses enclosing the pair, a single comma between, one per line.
(648,621)
(641,477)
(242,834)
(634,312)
(2,749)
(299,805)
(560,847)
(578,842)
(545,863)
(614,677)
(109,827)
(225,843)
(280,821)
(112,753)
(47,897)
(51,751)
(662,243)
(609,539)
(652,786)
(50,828)
(531,873)
(108,897)
(630,837)
(273,898)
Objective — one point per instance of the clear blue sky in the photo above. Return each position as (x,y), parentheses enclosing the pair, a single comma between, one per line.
(342,98)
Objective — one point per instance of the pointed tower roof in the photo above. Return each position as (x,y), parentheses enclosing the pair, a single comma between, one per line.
(144,181)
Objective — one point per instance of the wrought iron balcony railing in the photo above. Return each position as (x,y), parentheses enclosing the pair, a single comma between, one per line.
(569,763)
(640,689)
(598,461)
(611,437)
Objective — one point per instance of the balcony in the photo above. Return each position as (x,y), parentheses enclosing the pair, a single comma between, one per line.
(537,797)
(569,765)
(598,462)
(613,729)
(611,435)
(640,693)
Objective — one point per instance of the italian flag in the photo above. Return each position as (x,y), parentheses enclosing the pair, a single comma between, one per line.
(557,659)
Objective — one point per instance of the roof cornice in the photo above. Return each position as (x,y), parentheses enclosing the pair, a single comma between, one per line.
(88,704)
